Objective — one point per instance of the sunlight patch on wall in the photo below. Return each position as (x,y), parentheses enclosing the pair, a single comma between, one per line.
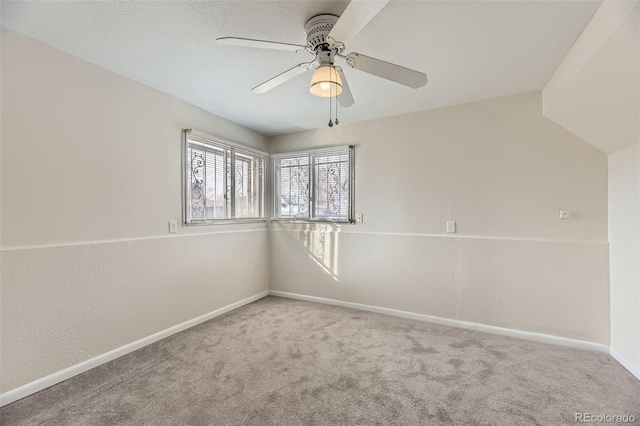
(320,241)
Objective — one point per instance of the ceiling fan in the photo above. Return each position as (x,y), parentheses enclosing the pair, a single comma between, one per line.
(327,36)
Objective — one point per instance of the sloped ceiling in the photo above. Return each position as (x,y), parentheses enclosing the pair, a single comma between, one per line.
(470,50)
(595,92)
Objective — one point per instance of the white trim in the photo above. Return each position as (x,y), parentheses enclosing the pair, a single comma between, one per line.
(60,376)
(204,135)
(633,369)
(343,149)
(409,234)
(527,335)
(266,221)
(124,240)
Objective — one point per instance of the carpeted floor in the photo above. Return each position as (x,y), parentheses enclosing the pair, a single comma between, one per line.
(286,362)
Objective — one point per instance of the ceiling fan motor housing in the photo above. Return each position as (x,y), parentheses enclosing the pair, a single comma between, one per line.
(317,30)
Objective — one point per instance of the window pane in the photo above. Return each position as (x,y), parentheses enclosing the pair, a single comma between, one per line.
(331,187)
(195,179)
(313,185)
(292,187)
(223,181)
(243,186)
(206,171)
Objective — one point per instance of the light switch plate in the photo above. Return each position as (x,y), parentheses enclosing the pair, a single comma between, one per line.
(565,214)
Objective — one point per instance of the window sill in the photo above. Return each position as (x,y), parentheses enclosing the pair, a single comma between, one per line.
(337,222)
(226,222)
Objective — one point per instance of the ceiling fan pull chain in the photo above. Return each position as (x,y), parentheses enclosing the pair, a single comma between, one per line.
(334,70)
(335,73)
(336,121)
(330,90)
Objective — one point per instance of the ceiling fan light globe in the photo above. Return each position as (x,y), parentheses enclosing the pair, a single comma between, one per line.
(325,82)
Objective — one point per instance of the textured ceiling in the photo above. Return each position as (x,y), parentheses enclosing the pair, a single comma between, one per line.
(470,50)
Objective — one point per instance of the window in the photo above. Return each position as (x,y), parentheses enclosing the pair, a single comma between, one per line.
(222,180)
(313,185)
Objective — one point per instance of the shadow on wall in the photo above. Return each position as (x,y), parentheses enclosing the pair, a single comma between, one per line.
(319,240)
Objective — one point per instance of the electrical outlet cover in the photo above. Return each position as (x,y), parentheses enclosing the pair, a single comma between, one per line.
(451,226)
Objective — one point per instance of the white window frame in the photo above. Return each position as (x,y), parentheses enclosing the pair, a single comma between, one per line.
(275,203)
(233,148)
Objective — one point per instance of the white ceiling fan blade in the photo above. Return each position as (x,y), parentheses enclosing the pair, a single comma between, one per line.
(282,78)
(357,14)
(386,70)
(262,44)
(345,98)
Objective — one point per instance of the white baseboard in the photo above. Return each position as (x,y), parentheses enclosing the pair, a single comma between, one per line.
(633,369)
(528,335)
(60,376)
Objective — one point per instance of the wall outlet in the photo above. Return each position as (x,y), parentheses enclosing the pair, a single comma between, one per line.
(565,214)
(173,227)
(359,218)
(451,227)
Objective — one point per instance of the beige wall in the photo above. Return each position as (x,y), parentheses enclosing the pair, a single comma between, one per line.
(595,92)
(502,171)
(496,167)
(90,177)
(88,154)
(624,240)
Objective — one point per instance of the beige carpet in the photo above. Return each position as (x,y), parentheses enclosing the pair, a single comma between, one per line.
(287,362)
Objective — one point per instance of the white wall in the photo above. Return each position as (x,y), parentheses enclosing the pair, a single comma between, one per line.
(90,177)
(624,241)
(595,92)
(502,171)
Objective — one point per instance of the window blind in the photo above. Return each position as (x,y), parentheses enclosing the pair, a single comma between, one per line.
(313,185)
(223,180)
